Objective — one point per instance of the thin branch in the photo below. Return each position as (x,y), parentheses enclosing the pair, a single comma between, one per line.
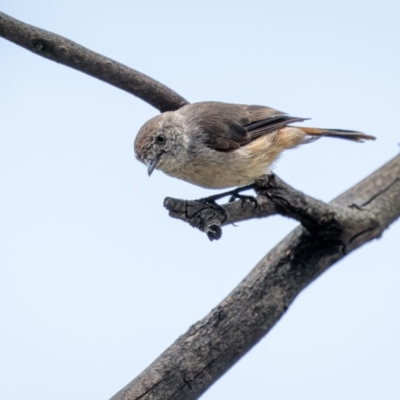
(71,54)
(211,346)
(273,197)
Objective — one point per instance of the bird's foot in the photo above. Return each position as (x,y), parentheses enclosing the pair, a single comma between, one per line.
(234,195)
(211,202)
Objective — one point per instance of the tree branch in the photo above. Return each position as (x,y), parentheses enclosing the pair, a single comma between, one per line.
(273,197)
(71,54)
(210,347)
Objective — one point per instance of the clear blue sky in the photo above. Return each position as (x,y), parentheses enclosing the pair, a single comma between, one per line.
(97,280)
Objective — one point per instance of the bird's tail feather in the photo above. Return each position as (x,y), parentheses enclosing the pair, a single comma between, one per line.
(355,136)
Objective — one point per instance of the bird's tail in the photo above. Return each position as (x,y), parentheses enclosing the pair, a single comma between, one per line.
(315,133)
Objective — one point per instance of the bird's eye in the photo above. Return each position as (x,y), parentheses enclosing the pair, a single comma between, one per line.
(161,139)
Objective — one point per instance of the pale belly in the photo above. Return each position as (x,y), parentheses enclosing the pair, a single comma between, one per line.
(219,170)
(214,169)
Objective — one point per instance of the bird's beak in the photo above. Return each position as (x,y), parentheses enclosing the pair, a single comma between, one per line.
(151,165)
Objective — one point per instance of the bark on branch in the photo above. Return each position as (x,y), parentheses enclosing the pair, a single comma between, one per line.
(329,232)
(71,54)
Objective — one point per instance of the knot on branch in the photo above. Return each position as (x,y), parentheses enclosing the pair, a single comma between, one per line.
(43,47)
(199,214)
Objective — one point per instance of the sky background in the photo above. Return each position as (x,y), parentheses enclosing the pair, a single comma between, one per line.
(97,280)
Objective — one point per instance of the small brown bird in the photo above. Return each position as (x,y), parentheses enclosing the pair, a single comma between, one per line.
(219,145)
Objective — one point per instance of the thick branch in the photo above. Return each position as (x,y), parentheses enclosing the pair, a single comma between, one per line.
(210,347)
(67,52)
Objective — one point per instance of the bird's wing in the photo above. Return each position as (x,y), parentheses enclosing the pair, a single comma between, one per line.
(230,126)
(266,120)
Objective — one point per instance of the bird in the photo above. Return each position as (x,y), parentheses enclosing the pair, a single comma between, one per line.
(218,145)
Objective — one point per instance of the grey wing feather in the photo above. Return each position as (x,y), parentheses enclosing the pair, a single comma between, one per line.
(265,120)
(230,126)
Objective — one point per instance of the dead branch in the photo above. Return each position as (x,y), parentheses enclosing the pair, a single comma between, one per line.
(211,346)
(71,54)
(273,197)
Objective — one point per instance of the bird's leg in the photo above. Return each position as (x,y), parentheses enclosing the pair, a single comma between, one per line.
(235,194)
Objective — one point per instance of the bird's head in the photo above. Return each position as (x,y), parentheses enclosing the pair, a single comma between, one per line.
(158,142)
